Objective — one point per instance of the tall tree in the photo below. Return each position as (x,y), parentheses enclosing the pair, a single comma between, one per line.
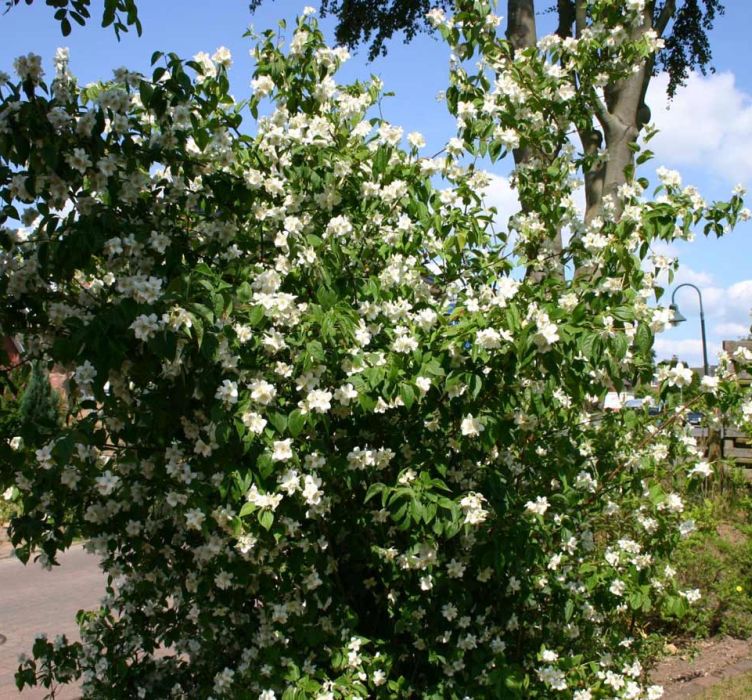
(39,410)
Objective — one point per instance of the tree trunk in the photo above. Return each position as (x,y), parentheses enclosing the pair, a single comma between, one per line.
(522,34)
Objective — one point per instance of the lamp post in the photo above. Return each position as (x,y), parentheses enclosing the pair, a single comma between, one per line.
(678,318)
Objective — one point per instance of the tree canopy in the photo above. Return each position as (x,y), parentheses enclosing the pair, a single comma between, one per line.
(120,14)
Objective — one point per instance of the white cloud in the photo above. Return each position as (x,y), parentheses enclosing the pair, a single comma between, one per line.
(731,331)
(500,194)
(727,317)
(708,124)
(688,350)
(687,274)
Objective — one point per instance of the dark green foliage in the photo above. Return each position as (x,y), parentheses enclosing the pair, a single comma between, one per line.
(121,14)
(39,407)
(687,45)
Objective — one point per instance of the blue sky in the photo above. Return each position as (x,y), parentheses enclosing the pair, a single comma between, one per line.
(707,131)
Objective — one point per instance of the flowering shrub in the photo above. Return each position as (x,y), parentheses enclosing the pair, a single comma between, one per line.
(327,439)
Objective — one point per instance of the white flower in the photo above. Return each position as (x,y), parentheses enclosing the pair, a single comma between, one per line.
(289,482)
(701,469)
(404,343)
(262,85)
(107,483)
(661,318)
(586,482)
(227,392)
(282,450)
(44,457)
(436,17)
(263,500)
(407,477)
(262,392)
(488,338)
(670,178)
(709,384)
(29,67)
(449,611)
(548,332)
(615,680)
(222,57)
(692,595)
(145,326)
(312,581)
(539,506)
(674,503)
(680,376)
(16,443)
(416,140)
(79,160)
(509,138)
(338,227)
(552,677)
(345,394)
(85,374)
(311,490)
(471,426)
(472,507)
(319,401)
(423,384)
(194,518)
(390,135)
(617,587)
(455,569)
(253,421)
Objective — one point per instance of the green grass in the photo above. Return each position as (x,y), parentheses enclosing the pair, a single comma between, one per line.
(718,561)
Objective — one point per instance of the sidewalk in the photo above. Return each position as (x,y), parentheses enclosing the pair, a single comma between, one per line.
(33,600)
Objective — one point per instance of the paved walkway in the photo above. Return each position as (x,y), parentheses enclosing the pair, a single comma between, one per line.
(33,600)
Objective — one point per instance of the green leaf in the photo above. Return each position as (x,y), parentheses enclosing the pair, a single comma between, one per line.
(373,490)
(247,509)
(407,394)
(265,465)
(278,420)
(266,518)
(296,422)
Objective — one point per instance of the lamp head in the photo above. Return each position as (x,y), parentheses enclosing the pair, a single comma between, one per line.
(676,315)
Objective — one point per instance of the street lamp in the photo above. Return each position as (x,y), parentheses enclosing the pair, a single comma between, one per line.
(678,318)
